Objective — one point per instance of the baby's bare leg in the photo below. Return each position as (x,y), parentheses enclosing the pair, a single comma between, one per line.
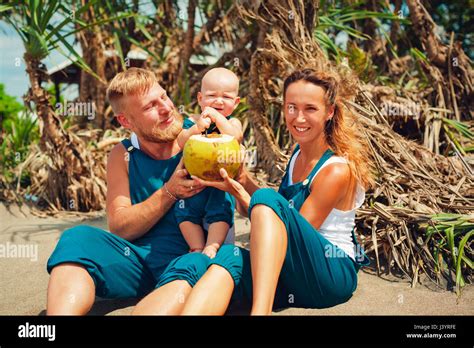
(217,233)
(193,234)
(215,237)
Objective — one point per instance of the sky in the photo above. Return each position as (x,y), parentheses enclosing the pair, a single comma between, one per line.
(13,77)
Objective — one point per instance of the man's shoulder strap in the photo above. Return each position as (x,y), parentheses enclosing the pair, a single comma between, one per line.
(127,144)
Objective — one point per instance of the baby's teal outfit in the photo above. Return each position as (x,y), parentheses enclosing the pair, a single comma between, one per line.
(209,206)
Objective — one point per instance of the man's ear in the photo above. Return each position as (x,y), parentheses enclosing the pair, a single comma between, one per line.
(124,122)
(199,97)
(237,102)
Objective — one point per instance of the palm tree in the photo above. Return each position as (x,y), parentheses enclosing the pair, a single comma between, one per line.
(74,182)
(111,35)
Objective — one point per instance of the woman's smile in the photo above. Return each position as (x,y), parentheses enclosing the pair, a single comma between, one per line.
(301,129)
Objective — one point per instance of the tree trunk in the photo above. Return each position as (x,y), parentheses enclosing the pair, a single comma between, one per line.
(395,29)
(450,73)
(284,40)
(424,25)
(93,90)
(269,154)
(71,183)
(446,59)
(168,70)
(375,46)
(183,73)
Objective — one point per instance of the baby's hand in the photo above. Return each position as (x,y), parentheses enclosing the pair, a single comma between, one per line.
(210,251)
(203,123)
(212,113)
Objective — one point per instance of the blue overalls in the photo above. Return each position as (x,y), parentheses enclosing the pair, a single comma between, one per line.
(308,277)
(123,269)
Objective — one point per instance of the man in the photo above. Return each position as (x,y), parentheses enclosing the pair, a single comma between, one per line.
(145,249)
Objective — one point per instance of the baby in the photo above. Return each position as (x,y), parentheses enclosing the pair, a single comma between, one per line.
(218,98)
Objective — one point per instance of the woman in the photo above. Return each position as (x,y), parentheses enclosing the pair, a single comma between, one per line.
(302,249)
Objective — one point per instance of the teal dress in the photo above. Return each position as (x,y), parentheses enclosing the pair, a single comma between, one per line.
(123,269)
(308,277)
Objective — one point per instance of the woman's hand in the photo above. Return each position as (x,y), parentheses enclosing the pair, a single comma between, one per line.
(241,175)
(228,184)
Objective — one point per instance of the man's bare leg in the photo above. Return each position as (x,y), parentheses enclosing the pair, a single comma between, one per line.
(268,244)
(211,294)
(71,290)
(168,299)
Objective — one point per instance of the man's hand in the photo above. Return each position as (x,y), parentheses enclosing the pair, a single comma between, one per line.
(131,221)
(180,186)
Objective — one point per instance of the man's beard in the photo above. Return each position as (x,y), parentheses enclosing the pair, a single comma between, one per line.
(167,135)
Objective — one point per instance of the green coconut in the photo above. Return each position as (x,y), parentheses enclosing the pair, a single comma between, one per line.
(204,156)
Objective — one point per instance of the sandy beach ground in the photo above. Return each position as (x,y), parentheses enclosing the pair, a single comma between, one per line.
(24,279)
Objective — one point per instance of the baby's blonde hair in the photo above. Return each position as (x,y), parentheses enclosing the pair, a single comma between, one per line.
(219,72)
(129,82)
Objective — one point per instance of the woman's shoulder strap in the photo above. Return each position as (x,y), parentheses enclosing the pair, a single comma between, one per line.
(326,155)
(295,151)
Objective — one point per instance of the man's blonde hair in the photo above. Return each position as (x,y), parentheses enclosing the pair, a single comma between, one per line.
(129,82)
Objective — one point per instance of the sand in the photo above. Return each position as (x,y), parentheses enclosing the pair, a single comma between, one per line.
(25,280)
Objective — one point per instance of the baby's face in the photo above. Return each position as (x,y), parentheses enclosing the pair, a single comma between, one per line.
(220,93)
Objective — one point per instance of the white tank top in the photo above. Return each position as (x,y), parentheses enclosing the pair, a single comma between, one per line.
(337,228)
